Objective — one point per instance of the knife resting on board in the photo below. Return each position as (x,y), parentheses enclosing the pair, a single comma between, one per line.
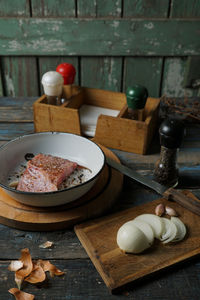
(184,198)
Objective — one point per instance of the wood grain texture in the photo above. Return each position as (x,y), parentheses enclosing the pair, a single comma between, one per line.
(185,9)
(82,281)
(59,8)
(20,76)
(143,8)
(99,8)
(15,8)
(144,71)
(79,37)
(101,73)
(9,131)
(98,237)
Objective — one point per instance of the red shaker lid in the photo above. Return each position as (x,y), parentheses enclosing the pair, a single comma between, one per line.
(67,71)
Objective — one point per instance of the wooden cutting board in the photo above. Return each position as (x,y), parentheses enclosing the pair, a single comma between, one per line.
(117,269)
(97,201)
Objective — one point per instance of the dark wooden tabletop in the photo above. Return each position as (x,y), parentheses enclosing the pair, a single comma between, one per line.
(81,280)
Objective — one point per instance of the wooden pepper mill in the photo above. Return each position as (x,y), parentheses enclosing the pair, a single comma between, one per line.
(166,169)
(136,96)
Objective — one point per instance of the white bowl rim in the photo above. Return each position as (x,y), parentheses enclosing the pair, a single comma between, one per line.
(58,191)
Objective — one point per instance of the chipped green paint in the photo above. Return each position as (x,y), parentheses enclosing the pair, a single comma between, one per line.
(103,73)
(14,8)
(36,36)
(173,79)
(20,76)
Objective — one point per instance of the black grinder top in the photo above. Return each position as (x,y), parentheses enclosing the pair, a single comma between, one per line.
(171,133)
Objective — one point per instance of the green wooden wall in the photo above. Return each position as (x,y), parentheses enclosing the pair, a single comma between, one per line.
(111,43)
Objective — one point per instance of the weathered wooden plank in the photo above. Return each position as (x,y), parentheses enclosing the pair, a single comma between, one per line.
(48,36)
(82,281)
(173,79)
(144,71)
(103,73)
(1,82)
(99,8)
(65,244)
(16,115)
(143,8)
(15,8)
(185,8)
(20,76)
(17,102)
(9,131)
(50,63)
(59,8)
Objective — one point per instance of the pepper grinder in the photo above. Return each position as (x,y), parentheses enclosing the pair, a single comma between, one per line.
(136,96)
(52,83)
(166,169)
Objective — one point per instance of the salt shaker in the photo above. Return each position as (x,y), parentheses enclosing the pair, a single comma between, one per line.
(136,96)
(53,85)
(166,169)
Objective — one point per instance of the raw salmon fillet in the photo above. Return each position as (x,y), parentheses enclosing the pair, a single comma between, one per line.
(45,173)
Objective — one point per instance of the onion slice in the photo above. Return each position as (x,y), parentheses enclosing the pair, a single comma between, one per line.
(146,229)
(170,231)
(181,229)
(154,221)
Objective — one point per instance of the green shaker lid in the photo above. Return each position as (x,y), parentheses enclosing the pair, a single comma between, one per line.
(136,96)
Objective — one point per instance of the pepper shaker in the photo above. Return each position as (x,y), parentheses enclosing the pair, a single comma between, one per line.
(52,83)
(136,96)
(166,169)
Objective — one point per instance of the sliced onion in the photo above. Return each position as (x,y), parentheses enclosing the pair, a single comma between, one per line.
(154,221)
(146,229)
(181,229)
(170,231)
(131,239)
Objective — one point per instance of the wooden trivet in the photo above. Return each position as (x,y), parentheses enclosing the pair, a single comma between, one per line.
(98,200)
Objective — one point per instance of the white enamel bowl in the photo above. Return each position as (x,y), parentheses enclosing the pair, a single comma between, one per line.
(65,145)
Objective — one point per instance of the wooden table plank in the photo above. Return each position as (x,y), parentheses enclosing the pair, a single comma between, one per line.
(81,281)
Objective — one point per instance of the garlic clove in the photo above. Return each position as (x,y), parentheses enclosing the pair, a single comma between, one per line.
(159,210)
(170,211)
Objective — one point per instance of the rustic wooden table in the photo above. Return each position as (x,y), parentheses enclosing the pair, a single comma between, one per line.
(81,280)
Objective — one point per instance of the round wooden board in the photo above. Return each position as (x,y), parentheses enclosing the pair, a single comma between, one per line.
(98,200)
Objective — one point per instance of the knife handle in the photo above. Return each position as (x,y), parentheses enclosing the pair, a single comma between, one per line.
(184,198)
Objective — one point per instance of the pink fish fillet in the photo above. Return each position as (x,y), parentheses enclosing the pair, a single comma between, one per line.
(45,173)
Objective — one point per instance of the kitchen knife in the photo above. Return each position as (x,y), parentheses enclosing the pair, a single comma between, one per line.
(184,198)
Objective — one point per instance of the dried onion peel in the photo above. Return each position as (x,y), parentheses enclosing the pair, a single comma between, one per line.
(19,295)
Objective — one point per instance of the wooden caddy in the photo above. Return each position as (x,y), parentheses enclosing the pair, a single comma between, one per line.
(114,132)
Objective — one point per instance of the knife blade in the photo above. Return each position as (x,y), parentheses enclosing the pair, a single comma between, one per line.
(186,199)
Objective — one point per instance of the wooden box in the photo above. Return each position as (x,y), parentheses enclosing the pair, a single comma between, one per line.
(114,132)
